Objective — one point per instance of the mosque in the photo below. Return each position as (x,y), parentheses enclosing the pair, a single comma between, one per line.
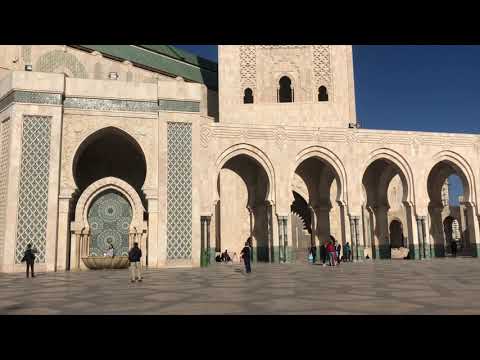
(103,144)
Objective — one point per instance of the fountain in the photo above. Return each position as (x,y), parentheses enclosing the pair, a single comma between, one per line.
(106,262)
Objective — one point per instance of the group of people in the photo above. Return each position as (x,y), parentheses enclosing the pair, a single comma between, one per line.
(331,253)
(330,250)
(225,257)
(245,256)
(134,257)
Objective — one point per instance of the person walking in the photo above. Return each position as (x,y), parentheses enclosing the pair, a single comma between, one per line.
(323,253)
(338,248)
(454,248)
(134,256)
(310,256)
(347,252)
(245,255)
(314,254)
(331,253)
(29,258)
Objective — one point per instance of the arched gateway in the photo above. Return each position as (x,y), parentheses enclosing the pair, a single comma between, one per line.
(108,211)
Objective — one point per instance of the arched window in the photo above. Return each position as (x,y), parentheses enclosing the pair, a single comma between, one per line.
(248,96)
(285,91)
(322,93)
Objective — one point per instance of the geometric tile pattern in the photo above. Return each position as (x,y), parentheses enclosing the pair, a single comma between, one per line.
(37,98)
(60,60)
(110,104)
(109,219)
(179,191)
(33,188)
(433,287)
(30,97)
(27,54)
(176,105)
(248,67)
(131,105)
(248,64)
(4,161)
(321,65)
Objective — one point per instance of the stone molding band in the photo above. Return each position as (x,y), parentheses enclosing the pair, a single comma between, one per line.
(30,97)
(33,97)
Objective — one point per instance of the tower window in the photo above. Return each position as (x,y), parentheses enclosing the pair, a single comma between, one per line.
(322,94)
(248,96)
(285,91)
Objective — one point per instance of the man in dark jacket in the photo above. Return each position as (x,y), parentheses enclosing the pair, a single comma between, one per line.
(29,258)
(245,254)
(454,248)
(134,256)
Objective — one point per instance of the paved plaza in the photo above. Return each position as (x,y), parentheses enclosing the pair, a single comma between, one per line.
(440,286)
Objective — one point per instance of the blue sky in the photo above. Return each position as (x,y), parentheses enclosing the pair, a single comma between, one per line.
(419,88)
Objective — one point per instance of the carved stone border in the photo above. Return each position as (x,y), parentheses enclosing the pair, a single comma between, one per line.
(30,97)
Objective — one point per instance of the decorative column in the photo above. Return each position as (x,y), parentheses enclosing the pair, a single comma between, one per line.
(427,251)
(413,241)
(381,224)
(205,240)
(473,229)
(437,230)
(280,238)
(354,237)
(209,251)
(421,243)
(359,246)
(286,251)
(156,253)
(203,261)
(63,243)
(269,231)
(313,226)
(252,219)
(75,244)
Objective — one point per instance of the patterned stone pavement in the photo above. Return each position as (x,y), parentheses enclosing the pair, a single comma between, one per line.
(440,286)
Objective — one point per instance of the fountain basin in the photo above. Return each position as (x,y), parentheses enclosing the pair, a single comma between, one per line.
(106,262)
(400,253)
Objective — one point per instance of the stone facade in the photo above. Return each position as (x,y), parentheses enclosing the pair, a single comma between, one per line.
(201,179)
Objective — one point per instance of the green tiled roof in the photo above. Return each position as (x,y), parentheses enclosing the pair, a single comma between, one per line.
(165,59)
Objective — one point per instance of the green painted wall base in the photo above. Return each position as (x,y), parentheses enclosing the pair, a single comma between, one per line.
(384,252)
(475,250)
(428,252)
(279,257)
(438,251)
(276,255)
(361,254)
(415,252)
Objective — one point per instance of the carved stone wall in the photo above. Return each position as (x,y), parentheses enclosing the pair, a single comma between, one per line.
(321,65)
(60,61)
(262,66)
(179,191)
(80,64)
(78,128)
(4,164)
(33,188)
(248,67)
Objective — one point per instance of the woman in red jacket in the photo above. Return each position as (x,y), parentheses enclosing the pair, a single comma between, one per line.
(331,253)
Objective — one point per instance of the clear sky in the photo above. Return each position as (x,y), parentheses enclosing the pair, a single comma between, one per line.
(419,88)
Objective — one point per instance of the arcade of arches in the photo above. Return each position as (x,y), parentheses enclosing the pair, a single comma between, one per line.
(387,222)
(244,207)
